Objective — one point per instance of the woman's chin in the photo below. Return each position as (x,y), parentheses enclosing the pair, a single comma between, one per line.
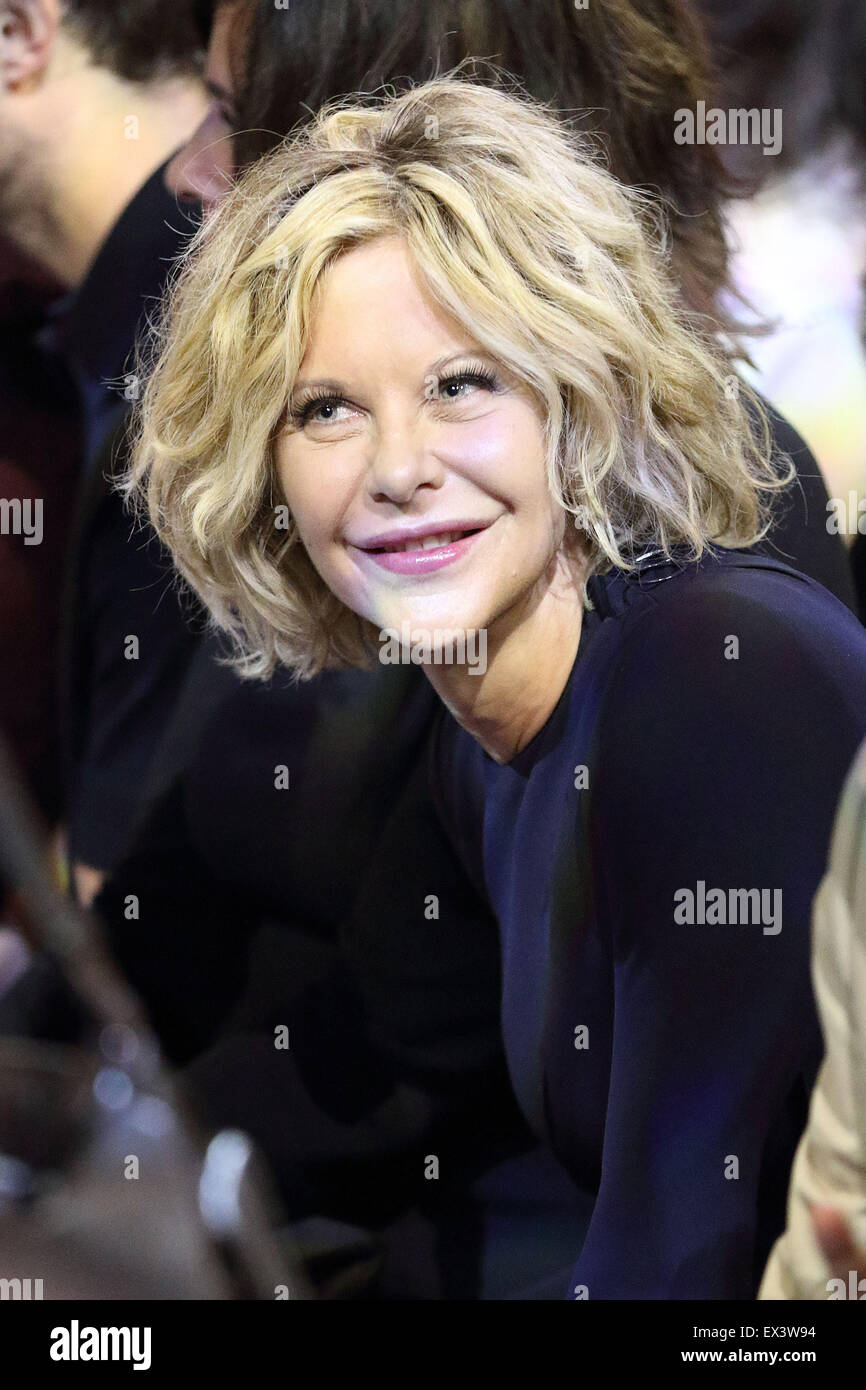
(428,635)
(425,621)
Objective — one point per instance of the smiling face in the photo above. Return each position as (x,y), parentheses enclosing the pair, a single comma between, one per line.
(412,462)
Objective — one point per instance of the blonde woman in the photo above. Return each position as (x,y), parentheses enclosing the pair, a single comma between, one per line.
(423,390)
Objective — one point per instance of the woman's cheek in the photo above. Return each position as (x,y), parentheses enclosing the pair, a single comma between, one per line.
(502,454)
(481,447)
(308,501)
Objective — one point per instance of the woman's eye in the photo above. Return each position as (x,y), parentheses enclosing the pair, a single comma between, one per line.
(320,412)
(452,388)
(326,410)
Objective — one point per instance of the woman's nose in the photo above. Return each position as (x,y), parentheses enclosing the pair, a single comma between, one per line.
(402,460)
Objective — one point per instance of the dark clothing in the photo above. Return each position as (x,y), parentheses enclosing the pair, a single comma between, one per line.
(857,559)
(799,535)
(226,849)
(95,326)
(40,446)
(715,710)
(131,628)
(306,907)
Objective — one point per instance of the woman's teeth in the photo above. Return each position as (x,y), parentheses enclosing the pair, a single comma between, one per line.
(427,542)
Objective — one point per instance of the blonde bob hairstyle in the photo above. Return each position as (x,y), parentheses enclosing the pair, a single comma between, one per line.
(549,264)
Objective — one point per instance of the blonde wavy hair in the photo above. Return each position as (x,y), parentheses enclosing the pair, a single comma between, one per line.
(552,266)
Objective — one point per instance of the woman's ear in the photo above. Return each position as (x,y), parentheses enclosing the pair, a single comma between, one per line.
(28,32)
(577,545)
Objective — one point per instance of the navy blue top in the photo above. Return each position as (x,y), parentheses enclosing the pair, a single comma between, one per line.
(661,1045)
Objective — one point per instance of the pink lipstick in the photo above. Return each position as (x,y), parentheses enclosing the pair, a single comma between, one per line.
(424,550)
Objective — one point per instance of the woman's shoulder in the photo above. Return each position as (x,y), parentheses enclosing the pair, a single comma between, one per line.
(729,597)
(735,651)
(734,708)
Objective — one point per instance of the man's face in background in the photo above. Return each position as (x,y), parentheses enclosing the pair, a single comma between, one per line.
(202,171)
(92,102)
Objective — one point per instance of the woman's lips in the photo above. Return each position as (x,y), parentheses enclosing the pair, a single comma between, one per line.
(424,561)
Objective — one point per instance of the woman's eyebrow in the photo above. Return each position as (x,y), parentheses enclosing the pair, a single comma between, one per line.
(442,362)
(339,388)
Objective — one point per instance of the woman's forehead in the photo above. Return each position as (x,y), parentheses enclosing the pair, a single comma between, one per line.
(377,288)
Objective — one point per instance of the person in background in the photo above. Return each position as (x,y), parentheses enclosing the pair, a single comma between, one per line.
(95,98)
(824,1242)
(799,239)
(849,119)
(40,465)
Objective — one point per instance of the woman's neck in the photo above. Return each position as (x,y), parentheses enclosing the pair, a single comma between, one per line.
(529,657)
